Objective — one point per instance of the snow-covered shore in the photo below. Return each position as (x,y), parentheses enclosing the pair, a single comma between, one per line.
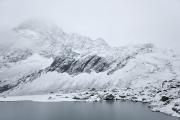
(170,107)
(38,98)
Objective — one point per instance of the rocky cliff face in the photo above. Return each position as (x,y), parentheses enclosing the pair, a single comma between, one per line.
(73,66)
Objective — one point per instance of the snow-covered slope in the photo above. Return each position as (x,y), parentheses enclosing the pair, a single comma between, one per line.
(45,59)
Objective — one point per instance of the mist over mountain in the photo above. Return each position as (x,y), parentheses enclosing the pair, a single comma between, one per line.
(119,22)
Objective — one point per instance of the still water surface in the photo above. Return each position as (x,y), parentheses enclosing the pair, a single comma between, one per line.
(118,110)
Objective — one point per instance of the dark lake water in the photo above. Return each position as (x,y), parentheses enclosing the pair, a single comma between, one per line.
(118,110)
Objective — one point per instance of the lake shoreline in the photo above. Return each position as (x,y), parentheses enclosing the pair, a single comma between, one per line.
(74,97)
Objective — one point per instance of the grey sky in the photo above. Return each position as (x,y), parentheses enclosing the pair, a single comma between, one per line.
(119,22)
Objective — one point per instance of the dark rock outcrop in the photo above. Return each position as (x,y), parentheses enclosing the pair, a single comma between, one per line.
(109,97)
(73,66)
(164,98)
(5,88)
(176,109)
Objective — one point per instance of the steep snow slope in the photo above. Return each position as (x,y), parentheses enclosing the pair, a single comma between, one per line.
(45,59)
(144,69)
(10,75)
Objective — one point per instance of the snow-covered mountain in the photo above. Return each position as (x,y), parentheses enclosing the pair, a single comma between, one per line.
(46,59)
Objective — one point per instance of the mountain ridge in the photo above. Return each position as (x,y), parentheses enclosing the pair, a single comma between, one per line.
(46,59)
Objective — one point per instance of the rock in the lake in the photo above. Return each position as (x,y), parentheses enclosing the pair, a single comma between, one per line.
(109,97)
(122,96)
(134,97)
(143,99)
(77,98)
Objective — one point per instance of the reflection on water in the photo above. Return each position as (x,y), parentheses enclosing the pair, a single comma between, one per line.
(111,110)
